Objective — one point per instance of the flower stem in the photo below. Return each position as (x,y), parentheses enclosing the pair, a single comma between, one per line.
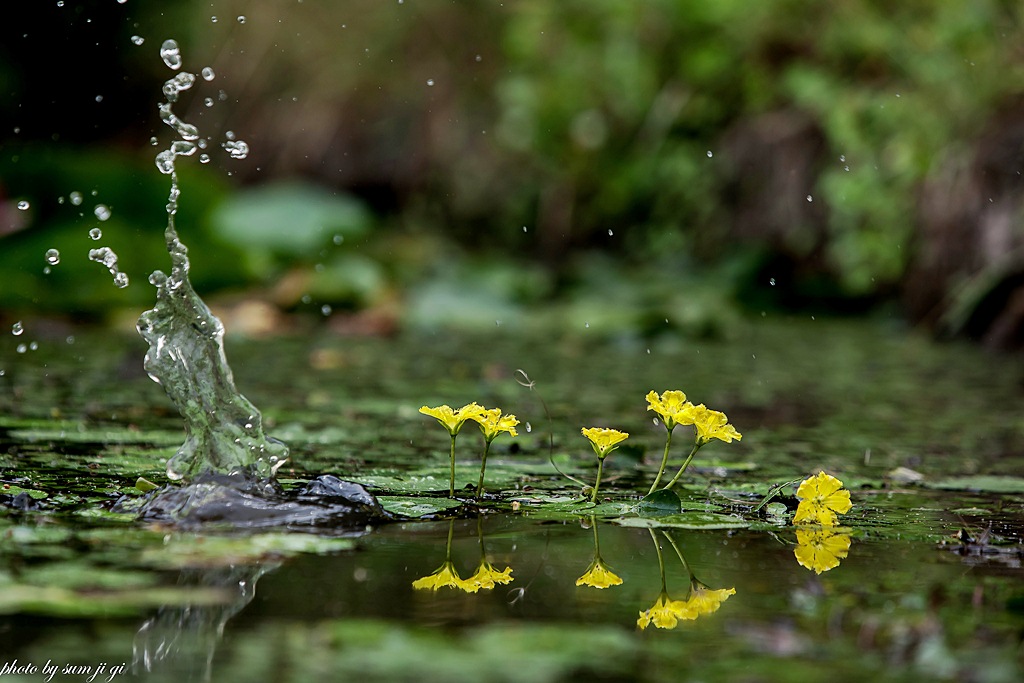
(448,545)
(661,560)
(664,462)
(597,543)
(483,466)
(679,554)
(686,462)
(597,484)
(451,484)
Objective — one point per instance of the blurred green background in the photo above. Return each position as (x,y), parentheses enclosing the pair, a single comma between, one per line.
(641,167)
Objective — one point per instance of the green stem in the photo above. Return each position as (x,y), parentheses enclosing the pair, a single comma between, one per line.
(448,545)
(696,445)
(597,484)
(664,462)
(483,466)
(597,542)
(661,561)
(679,554)
(451,481)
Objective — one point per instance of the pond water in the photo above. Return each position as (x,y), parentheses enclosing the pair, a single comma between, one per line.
(929,439)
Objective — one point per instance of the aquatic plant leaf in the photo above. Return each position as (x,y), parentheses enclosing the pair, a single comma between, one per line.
(982,482)
(685,520)
(253,219)
(660,502)
(411,506)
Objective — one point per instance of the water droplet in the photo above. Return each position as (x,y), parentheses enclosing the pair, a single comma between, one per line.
(60,3)
(138,40)
(306,298)
(430,81)
(338,239)
(60,200)
(207,73)
(33,346)
(524,228)
(241,18)
(17,328)
(208,101)
(99,98)
(213,19)
(771,281)
(610,232)
(70,339)
(165,162)
(810,198)
(846,168)
(95,233)
(237,149)
(76,198)
(842,157)
(529,428)
(229,135)
(710,154)
(52,257)
(23,205)
(586,325)
(153,141)
(120,280)
(204,158)
(326,309)
(102,212)
(21,348)
(170,54)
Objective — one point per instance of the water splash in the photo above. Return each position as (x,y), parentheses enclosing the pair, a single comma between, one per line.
(223,430)
(107,257)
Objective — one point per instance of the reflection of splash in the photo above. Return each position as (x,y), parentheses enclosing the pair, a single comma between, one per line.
(447,576)
(184,638)
(700,598)
(821,548)
(598,574)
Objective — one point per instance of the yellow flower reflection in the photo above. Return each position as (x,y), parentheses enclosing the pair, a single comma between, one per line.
(700,599)
(822,498)
(486,577)
(599,575)
(821,548)
(444,577)
(664,613)
(704,600)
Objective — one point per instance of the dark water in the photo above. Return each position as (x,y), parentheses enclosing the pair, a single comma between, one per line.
(930,589)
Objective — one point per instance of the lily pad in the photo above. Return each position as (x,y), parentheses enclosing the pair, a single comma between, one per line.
(660,502)
(685,520)
(411,506)
(982,482)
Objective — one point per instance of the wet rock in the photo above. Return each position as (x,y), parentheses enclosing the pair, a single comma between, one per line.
(240,501)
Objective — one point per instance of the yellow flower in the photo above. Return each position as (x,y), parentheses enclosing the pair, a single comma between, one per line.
(665,613)
(599,575)
(704,600)
(672,406)
(492,423)
(712,424)
(444,577)
(486,577)
(822,497)
(452,420)
(820,549)
(604,440)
